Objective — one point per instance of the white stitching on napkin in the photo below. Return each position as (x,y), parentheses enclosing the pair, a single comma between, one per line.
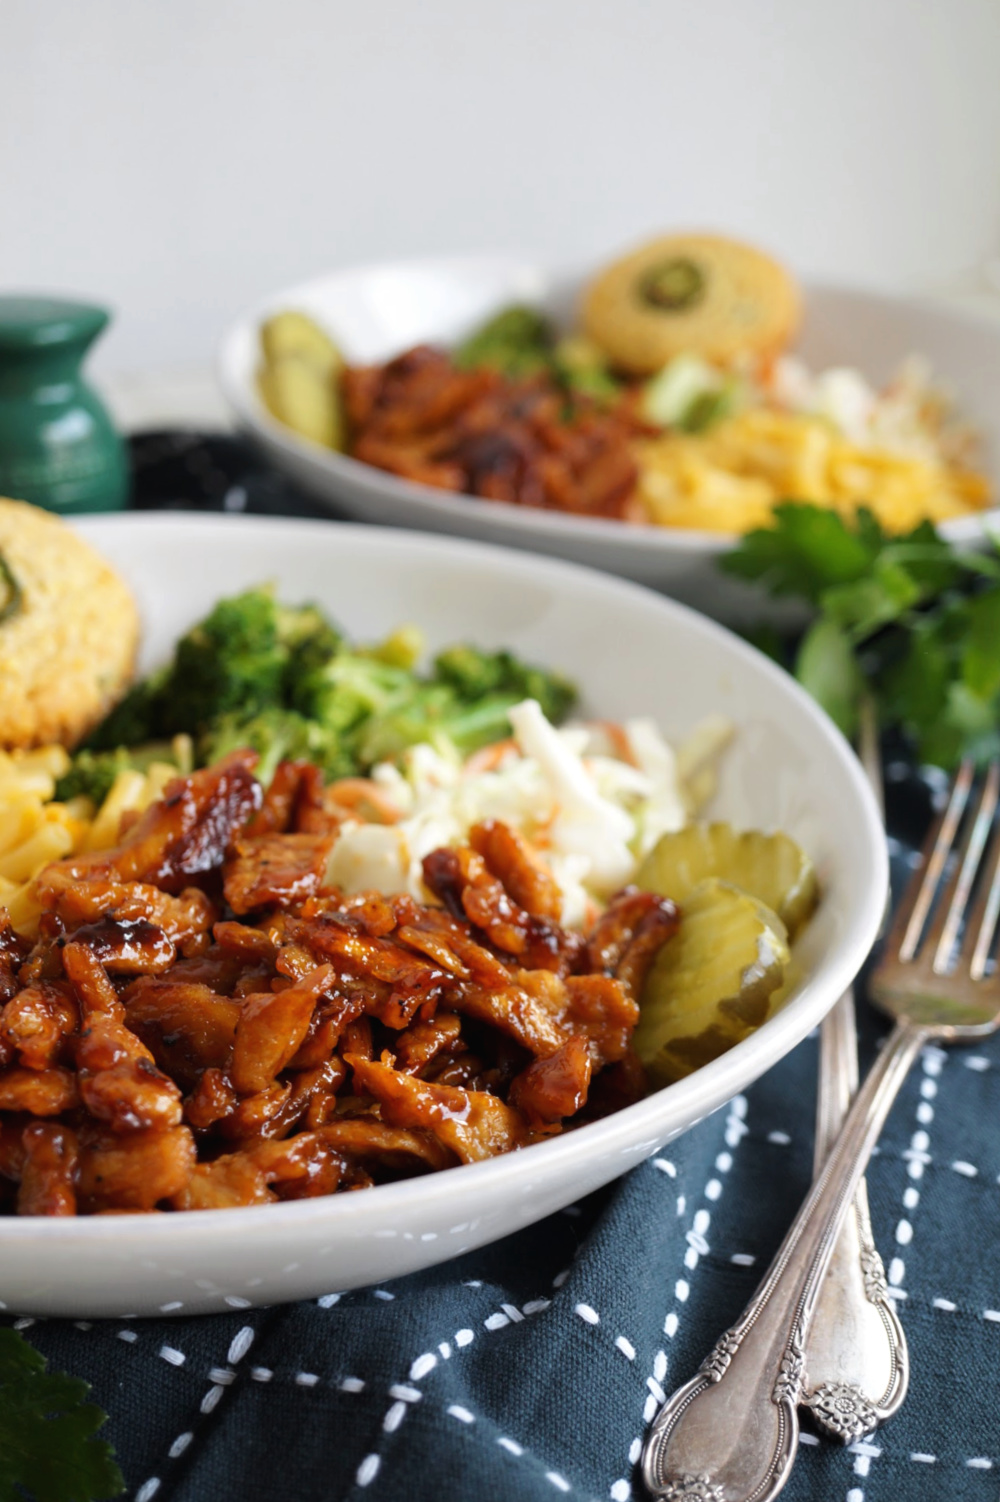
(367,1470)
(424,1364)
(220,1377)
(696,1248)
(917,1157)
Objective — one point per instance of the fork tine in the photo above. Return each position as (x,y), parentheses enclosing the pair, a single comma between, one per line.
(955,900)
(940,846)
(985,912)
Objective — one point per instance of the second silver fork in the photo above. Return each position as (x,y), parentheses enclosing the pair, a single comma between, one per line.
(857,1364)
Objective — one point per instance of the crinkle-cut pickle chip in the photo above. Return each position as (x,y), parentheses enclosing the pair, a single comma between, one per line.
(712,983)
(770,867)
(304,398)
(295,333)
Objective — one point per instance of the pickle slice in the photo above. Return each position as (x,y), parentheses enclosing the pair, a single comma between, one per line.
(768,866)
(304,398)
(297,334)
(711,984)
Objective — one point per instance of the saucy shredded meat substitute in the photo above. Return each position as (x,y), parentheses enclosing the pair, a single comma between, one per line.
(203,1022)
(481,433)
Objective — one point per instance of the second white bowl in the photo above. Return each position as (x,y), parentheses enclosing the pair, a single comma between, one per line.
(376,311)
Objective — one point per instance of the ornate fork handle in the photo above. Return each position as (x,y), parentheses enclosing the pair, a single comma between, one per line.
(729,1435)
(856,1356)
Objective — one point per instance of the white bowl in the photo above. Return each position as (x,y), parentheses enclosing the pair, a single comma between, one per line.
(377,311)
(631,652)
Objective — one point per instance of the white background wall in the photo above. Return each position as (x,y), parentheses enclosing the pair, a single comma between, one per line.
(178,158)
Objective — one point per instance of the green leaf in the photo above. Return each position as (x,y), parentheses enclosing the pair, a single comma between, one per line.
(915,689)
(807,551)
(11,593)
(924,616)
(47,1449)
(981,653)
(929,559)
(887,593)
(982,564)
(941,746)
(827,667)
(973,715)
(969,726)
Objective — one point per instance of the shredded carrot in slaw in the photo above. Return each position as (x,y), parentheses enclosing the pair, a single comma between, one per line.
(356,793)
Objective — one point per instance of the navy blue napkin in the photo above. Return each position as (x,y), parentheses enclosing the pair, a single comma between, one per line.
(529,1371)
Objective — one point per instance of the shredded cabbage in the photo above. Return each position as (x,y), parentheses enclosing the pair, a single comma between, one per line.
(592,812)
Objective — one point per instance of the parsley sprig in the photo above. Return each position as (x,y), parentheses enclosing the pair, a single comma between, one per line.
(911,619)
(47,1447)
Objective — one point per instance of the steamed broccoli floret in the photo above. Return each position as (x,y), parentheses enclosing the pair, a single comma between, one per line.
(473,674)
(298,625)
(247,654)
(93,773)
(348,689)
(280,680)
(413,716)
(465,703)
(374,710)
(435,714)
(402,648)
(134,719)
(582,369)
(309,639)
(277,735)
(517,342)
(232,660)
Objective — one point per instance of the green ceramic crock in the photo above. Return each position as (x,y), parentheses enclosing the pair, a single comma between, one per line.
(58,446)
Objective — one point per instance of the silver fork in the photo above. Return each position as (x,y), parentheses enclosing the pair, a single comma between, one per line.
(730,1434)
(856,1357)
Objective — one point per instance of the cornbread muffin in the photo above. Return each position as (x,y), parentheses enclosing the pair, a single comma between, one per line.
(690,294)
(68,630)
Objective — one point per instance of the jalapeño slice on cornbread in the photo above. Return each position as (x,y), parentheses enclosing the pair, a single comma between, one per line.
(690,294)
